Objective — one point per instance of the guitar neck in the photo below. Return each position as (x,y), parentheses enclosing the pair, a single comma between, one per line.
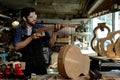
(53,27)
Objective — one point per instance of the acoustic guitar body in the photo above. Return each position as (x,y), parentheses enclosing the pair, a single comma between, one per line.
(72,63)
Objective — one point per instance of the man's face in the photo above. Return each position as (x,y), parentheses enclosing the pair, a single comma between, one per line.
(31,19)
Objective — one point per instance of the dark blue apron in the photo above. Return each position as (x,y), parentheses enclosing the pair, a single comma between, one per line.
(32,54)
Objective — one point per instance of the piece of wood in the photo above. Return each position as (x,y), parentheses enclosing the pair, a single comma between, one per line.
(95,41)
(102,41)
(117,47)
(102,46)
(98,44)
(53,61)
(72,63)
(53,27)
(110,78)
(110,53)
(109,37)
(58,77)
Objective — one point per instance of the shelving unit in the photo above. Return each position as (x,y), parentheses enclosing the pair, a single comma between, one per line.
(83,35)
(61,42)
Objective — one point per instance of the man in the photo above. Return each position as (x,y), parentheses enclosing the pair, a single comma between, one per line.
(31,44)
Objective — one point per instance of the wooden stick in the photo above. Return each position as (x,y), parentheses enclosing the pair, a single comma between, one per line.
(53,27)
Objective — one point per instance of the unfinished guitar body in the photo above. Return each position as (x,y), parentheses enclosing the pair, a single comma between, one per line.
(72,63)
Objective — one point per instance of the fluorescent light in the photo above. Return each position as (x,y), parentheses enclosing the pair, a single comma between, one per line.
(4,16)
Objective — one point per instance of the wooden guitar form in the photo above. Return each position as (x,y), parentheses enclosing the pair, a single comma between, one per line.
(117,47)
(113,48)
(109,37)
(53,27)
(72,63)
(110,53)
(95,46)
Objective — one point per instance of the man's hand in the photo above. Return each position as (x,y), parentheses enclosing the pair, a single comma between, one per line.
(57,27)
(38,35)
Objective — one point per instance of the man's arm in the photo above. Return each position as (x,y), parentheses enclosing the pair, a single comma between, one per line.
(22,44)
(52,39)
(54,35)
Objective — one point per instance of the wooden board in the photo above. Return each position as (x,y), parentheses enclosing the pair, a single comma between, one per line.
(117,47)
(72,63)
(57,77)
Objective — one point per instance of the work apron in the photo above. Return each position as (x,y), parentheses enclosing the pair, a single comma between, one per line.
(33,55)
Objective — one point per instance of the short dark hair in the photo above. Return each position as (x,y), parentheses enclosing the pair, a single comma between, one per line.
(26,11)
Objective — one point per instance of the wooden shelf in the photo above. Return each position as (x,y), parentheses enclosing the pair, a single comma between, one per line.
(82,34)
(63,40)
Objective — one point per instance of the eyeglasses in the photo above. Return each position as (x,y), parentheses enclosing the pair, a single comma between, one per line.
(35,16)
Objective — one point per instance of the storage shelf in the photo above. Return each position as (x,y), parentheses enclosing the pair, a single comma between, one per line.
(82,34)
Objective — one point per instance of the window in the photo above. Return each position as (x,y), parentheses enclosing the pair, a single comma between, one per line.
(117,20)
(112,20)
(117,23)
(104,18)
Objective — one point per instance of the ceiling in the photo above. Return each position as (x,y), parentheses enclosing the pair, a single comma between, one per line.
(49,8)
(57,9)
